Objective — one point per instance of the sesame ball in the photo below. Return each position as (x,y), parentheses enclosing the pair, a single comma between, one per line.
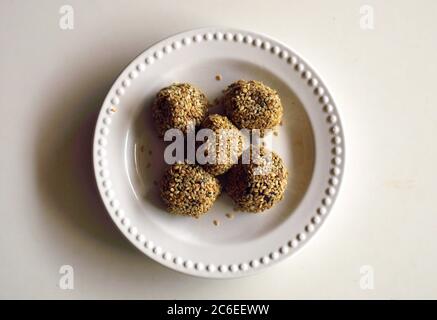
(178,106)
(258,185)
(227,144)
(189,190)
(252,105)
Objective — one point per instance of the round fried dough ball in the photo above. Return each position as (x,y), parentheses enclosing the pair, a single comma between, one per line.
(257,186)
(189,190)
(252,105)
(226,145)
(178,106)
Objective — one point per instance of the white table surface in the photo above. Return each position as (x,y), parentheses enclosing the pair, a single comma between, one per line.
(52,84)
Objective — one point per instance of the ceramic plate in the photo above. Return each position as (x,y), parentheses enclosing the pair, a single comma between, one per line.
(128,155)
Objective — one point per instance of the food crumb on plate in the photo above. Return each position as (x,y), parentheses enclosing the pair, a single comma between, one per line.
(218,77)
(229,216)
(216,222)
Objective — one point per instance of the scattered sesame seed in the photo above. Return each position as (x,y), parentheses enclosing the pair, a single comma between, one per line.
(229,216)
(113,109)
(218,77)
(216,222)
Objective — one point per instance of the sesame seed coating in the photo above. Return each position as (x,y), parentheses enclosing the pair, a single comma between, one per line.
(178,106)
(252,105)
(228,143)
(189,190)
(254,192)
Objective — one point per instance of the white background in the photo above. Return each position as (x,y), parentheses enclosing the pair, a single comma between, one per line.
(53,81)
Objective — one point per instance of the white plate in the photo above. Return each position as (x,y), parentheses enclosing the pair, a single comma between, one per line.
(310,142)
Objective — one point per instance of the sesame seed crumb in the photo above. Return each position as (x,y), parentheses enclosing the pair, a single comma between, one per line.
(218,77)
(216,222)
(229,216)
(113,109)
